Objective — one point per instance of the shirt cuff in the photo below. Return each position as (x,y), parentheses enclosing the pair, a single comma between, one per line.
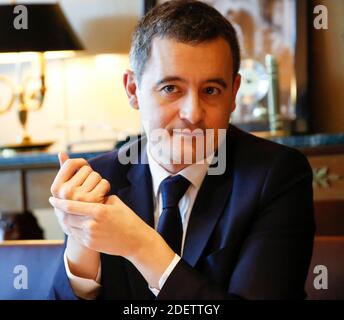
(83,288)
(165,275)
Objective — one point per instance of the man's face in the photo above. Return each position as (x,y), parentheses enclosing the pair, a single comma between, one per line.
(187,86)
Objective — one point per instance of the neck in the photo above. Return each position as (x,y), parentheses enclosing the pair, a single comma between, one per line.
(173,168)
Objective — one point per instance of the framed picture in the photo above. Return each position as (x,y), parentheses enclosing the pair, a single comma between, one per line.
(277,28)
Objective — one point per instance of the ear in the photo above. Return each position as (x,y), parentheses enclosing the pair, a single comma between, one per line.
(130,88)
(236,86)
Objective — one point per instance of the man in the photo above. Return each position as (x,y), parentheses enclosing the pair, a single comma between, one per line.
(165,229)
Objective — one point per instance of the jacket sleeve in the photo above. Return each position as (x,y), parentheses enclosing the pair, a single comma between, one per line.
(61,288)
(275,256)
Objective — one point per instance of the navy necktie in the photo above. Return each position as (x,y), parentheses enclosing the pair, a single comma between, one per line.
(170,223)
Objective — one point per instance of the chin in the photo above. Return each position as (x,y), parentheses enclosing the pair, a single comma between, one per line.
(179,149)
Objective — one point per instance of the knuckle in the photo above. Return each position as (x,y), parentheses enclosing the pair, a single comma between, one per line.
(106,185)
(92,198)
(80,162)
(99,199)
(75,163)
(87,169)
(96,175)
(79,196)
(88,198)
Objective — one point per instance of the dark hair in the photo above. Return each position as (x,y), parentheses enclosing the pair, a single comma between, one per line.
(186,21)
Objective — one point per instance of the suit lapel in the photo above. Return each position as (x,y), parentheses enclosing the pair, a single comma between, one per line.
(137,194)
(209,204)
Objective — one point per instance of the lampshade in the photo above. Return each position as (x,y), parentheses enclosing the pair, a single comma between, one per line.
(48,30)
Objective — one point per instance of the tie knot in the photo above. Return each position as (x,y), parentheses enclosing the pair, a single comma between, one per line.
(172,190)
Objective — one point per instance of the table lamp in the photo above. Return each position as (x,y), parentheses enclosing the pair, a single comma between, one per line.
(47,29)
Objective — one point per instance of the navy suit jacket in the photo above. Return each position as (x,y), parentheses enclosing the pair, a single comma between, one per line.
(250,233)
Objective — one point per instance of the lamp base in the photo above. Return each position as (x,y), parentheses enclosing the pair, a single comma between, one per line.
(27,146)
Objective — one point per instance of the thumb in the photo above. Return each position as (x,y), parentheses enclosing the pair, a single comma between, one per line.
(63,157)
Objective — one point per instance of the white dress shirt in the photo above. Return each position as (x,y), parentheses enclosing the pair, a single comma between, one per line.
(195,173)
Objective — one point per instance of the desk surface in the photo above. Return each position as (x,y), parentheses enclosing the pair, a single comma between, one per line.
(311,141)
(39,159)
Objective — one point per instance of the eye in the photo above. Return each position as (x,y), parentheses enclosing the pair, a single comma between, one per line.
(211,91)
(169,89)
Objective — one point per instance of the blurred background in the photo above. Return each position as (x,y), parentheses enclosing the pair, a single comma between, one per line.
(73,99)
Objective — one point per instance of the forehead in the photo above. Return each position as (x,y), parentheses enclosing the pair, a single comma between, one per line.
(170,57)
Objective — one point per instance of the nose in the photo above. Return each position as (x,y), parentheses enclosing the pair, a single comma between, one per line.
(191,109)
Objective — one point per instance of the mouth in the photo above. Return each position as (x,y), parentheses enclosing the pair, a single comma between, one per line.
(188,132)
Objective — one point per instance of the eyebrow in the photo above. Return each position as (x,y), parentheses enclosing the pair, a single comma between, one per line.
(219,81)
(169,79)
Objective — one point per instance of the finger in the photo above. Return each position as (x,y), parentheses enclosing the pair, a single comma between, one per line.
(102,188)
(63,157)
(68,169)
(79,178)
(91,182)
(75,207)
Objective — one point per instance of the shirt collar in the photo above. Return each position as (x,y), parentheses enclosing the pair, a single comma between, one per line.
(195,173)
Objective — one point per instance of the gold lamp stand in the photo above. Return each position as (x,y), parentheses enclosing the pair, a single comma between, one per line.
(28,100)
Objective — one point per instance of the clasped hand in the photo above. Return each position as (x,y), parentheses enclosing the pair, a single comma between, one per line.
(85,212)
